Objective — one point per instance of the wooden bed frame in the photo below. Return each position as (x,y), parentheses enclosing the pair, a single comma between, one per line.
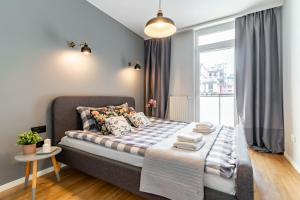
(65,117)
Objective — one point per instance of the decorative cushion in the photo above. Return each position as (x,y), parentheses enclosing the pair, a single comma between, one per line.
(100,115)
(88,122)
(123,110)
(124,105)
(139,120)
(118,126)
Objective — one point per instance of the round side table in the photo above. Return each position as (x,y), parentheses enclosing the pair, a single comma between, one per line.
(34,159)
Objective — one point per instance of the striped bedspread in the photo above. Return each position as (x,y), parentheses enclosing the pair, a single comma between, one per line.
(220,160)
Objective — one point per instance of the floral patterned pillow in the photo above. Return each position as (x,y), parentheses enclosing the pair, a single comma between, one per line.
(100,115)
(139,120)
(123,110)
(118,126)
(122,106)
(88,121)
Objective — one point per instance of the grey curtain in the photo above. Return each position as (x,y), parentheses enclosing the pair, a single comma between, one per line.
(259,93)
(157,74)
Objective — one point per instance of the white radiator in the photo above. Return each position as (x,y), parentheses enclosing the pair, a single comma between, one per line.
(179,108)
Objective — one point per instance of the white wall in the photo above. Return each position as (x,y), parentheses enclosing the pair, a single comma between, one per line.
(291,81)
(182,68)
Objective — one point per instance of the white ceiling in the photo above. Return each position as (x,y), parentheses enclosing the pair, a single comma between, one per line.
(135,13)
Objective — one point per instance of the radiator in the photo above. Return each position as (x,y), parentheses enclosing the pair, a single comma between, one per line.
(179,108)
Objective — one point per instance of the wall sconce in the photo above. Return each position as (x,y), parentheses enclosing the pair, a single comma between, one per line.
(85,49)
(136,66)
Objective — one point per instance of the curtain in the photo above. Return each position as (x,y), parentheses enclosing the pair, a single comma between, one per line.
(157,74)
(259,94)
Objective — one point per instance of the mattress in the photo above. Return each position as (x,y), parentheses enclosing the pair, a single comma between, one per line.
(210,180)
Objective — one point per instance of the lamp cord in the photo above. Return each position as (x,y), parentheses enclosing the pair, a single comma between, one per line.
(159,4)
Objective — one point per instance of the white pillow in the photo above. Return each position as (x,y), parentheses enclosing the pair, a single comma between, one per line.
(118,126)
(139,120)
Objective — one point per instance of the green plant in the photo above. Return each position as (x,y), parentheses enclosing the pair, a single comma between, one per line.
(29,137)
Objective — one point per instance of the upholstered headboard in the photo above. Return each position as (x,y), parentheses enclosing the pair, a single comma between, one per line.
(65,116)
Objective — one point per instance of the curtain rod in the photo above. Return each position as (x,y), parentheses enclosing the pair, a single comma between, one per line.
(229,17)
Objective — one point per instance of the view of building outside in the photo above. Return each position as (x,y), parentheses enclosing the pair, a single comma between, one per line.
(217,72)
(217,86)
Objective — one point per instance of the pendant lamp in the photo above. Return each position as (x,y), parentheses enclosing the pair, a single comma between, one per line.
(160,26)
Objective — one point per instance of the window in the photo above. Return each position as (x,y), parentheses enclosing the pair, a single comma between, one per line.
(216,75)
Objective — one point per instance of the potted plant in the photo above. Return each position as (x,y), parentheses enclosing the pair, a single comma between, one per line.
(28,141)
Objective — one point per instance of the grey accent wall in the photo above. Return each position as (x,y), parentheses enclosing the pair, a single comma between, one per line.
(36,65)
(183,68)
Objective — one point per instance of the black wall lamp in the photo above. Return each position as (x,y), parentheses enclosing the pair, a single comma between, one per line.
(85,49)
(136,66)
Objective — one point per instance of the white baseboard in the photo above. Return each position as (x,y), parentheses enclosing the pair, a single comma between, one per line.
(294,164)
(21,180)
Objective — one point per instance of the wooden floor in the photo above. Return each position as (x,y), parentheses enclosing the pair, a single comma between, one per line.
(274,178)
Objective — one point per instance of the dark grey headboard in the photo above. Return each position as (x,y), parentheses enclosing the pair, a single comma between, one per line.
(65,116)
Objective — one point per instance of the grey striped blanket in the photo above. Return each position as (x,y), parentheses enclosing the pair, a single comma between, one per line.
(220,160)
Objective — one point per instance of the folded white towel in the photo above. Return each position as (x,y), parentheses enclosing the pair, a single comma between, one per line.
(201,130)
(204,125)
(189,137)
(189,146)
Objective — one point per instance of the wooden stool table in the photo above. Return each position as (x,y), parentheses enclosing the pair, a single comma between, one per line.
(34,159)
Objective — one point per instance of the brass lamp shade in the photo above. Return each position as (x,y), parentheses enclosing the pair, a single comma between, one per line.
(160,26)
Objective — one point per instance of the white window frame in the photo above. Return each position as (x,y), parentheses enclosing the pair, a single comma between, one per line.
(206,48)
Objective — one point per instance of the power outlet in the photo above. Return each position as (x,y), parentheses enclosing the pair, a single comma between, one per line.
(39,129)
(293,138)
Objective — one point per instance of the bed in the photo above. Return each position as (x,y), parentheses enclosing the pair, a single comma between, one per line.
(123,169)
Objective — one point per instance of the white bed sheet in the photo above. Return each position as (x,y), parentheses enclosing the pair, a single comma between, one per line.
(210,180)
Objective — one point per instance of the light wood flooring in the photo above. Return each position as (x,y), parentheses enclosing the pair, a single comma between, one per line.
(274,177)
